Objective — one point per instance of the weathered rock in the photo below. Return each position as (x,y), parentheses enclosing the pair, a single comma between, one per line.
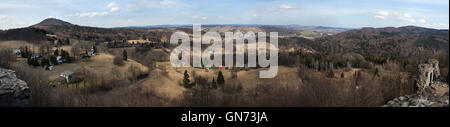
(13,91)
(430,91)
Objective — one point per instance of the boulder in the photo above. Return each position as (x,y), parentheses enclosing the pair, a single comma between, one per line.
(13,91)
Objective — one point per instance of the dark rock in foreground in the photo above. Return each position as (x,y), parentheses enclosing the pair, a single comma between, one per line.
(13,91)
(434,96)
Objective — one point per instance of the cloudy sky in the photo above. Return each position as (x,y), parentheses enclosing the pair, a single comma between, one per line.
(336,13)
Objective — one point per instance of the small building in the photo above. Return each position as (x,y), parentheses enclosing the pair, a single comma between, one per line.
(93,53)
(84,55)
(36,55)
(67,75)
(17,51)
(59,59)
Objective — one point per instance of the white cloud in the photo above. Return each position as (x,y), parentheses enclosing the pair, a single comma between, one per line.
(131,5)
(112,4)
(285,7)
(404,17)
(422,21)
(382,14)
(4,17)
(90,14)
(169,2)
(163,3)
(112,7)
(437,25)
(204,18)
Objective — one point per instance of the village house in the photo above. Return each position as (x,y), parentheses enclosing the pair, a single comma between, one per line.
(17,51)
(59,59)
(68,76)
(84,55)
(36,55)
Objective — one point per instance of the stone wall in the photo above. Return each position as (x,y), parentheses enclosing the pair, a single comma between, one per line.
(13,91)
(426,74)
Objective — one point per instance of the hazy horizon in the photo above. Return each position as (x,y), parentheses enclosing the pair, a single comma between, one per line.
(126,13)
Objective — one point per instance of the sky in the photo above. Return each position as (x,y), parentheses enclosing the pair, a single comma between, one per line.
(333,13)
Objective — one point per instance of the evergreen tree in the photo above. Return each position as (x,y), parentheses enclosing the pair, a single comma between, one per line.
(35,62)
(125,55)
(214,83)
(94,48)
(67,41)
(56,52)
(186,80)
(53,60)
(220,78)
(25,53)
(377,72)
(29,61)
(342,75)
(44,62)
(448,77)
(144,37)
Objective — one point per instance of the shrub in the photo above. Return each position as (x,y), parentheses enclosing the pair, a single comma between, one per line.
(186,81)
(220,78)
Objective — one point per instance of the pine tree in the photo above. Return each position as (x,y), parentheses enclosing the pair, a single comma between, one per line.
(56,53)
(44,62)
(448,77)
(94,48)
(377,72)
(29,61)
(144,37)
(220,78)
(67,41)
(125,55)
(213,83)
(35,62)
(186,80)
(53,60)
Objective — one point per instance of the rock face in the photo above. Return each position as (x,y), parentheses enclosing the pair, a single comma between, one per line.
(433,96)
(13,92)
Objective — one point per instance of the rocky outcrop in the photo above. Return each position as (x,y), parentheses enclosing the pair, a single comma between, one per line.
(434,96)
(430,91)
(13,91)
(426,74)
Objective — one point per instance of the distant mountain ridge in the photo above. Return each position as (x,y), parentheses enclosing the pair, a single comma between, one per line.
(53,22)
(392,41)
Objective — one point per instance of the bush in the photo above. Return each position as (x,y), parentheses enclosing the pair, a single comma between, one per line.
(125,55)
(220,78)
(186,81)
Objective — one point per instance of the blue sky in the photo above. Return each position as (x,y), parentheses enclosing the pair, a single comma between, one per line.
(335,13)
